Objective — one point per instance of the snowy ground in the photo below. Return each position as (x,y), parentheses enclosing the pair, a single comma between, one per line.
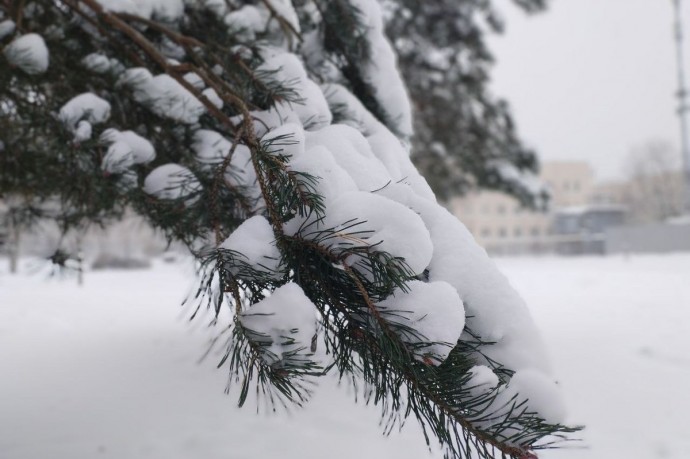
(110,370)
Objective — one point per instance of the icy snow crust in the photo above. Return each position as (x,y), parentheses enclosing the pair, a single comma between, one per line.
(373,197)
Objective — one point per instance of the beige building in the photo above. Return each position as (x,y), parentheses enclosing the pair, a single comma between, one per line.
(500,224)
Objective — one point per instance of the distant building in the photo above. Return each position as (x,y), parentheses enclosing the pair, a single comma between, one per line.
(501,225)
(582,229)
(650,198)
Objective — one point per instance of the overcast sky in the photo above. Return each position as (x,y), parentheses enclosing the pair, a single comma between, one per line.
(591,78)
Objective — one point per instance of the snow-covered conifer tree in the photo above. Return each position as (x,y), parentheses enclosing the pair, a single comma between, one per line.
(465,138)
(271,138)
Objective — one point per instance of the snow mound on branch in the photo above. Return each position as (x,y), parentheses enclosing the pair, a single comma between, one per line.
(7,27)
(210,147)
(171,181)
(100,63)
(385,146)
(163,95)
(287,319)
(126,148)
(241,176)
(353,154)
(386,225)
(164,10)
(333,180)
(213,97)
(83,131)
(285,10)
(539,394)
(251,20)
(28,52)
(255,240)
(246,21)
(381,72)
(433,312)
(495,311)
(86,106)
(482,380)
(311,110)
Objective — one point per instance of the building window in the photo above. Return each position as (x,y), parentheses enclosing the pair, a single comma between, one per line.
(517,232)
(486,232)
(535,232)
(566,186)
(576,186)
(501,209)
(502,232)
(486,209)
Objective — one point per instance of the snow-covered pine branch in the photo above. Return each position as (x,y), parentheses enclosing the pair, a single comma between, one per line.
(271,138)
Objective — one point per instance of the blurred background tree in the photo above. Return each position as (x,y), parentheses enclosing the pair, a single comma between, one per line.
(465,137)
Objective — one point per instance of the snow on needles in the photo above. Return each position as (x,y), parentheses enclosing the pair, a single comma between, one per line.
(381,71)
(163,95)
(285,322)
(84,107)
(432,316)
(28,52)
(255,241)
(126,148)
(171,182)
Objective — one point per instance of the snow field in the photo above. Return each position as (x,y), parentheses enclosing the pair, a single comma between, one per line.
(111,369)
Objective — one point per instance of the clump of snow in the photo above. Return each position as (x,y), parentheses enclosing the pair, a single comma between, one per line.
(482,380)
(96,62)
(86,106)
(435,313)
(333,180)
(312,109)
(285,10)
(83,131)
(250,20)
(242,176)
(164,10)
(255,240)
(391,227)
(7,27)
(353,154)
(163,95)
(100,63)
(287,139)
(538,392)
(217,7)
(213,97)
(381,72)
(195,80)
(28,52)
(210,146)
(287,320)
(247,21)
(171,181)
(126,148)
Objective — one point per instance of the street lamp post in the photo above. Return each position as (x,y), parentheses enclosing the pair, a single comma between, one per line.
(683,106)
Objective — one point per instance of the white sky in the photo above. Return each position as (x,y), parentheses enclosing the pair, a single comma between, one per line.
(589,79)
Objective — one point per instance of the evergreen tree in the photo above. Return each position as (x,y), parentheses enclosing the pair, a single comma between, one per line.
(465,138)
(269,137)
